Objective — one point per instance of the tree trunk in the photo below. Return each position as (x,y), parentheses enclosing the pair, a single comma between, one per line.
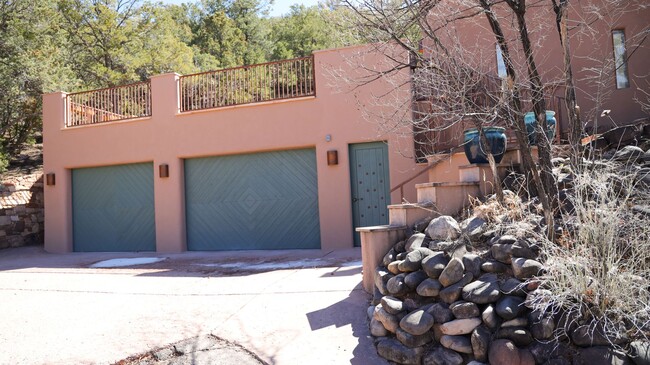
(539,106)
(498,188)
(575,125)
(540,181)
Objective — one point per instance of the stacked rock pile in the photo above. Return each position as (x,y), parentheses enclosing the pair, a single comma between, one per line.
(438,303)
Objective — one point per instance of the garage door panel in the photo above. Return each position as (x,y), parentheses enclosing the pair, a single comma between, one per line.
(113,208)
(253,201)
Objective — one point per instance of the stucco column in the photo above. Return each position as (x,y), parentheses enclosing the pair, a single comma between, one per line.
(168,191)
(58,197)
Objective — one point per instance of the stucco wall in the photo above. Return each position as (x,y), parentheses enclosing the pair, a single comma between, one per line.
(169,137)
(591,48)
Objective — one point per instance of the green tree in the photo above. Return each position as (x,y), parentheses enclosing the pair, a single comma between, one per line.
(118,41)
(219,40)
(31,63)
(300,32)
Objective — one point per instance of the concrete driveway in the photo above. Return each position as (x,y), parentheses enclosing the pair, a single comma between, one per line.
(287,307)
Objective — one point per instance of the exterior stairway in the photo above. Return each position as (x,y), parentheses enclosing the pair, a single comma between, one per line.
(453,182)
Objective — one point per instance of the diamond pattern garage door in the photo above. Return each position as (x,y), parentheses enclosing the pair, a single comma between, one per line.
(113,208)
(254,201)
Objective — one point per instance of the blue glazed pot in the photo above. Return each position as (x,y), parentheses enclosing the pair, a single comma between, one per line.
(529,120)
(475,153)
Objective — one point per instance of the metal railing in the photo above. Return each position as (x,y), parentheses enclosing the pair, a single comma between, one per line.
(270,81)
(109,104)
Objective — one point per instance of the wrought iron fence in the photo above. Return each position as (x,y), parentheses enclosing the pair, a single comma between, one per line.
(109,104)
(279,80)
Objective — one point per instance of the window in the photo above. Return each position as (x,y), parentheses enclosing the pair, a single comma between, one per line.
(620,59)
(501,66)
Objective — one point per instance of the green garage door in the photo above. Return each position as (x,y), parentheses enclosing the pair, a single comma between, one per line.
(113,208)
(254,201)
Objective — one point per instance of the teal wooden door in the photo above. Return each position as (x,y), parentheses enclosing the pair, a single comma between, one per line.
(370,183)
(254,201)
(113,208)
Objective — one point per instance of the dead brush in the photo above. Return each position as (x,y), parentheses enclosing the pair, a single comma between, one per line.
(599,273)
(492,211)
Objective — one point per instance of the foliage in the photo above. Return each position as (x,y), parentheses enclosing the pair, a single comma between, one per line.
(30,63)
(72,45)
(600,271)
(307,29)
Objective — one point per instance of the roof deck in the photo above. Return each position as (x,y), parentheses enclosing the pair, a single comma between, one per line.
(280,80)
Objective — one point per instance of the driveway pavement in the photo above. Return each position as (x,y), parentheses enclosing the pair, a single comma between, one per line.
(286,307)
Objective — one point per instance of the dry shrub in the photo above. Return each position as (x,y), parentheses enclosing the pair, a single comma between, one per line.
(599,273)
(492,211)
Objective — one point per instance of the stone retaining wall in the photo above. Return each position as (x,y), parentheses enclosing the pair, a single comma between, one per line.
(436,303)
(21,210)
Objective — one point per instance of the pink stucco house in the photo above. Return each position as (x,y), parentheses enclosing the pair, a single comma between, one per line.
(270,156)
(285,155)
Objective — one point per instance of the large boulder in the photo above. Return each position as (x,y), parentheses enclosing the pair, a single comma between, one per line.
(509,307)
(443,228)
(377,329)
(391,349)
(440,312)
(452,293)
(601,355)
(482,291)
(503,352)
(460,326)
(397,286)
(640,352)
(390,321)
(460,344)
(413,260)
(586,336)
(525,268)
(480,343)
(429,288)
(462,310)
(392,305)
(412,340)
(473,227)
(417,322)
(434,264)
(452,273)
(412,280)
(628,154)
(442,356)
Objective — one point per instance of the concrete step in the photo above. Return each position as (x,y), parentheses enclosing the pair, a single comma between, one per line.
(408,214)
(448,197)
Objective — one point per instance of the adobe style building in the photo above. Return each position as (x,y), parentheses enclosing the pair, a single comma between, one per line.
(288,155)
(609,48)
(271,156)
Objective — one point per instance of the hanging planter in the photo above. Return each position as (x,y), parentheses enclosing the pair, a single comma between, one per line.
(529,120)
(476,152)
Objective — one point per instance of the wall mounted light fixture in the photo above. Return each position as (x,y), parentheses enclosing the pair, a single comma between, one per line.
(163,170)
(50,179)
(332,157)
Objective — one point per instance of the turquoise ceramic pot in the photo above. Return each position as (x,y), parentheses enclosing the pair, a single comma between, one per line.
(529,119)
(475,153)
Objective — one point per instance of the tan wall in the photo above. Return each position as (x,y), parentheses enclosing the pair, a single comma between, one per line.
(169,137)
(592,53)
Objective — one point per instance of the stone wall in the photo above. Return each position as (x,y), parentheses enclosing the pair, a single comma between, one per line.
(21,210)
(436,302)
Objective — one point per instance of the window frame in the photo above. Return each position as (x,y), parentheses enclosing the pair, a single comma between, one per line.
(621,69)
(500,62)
